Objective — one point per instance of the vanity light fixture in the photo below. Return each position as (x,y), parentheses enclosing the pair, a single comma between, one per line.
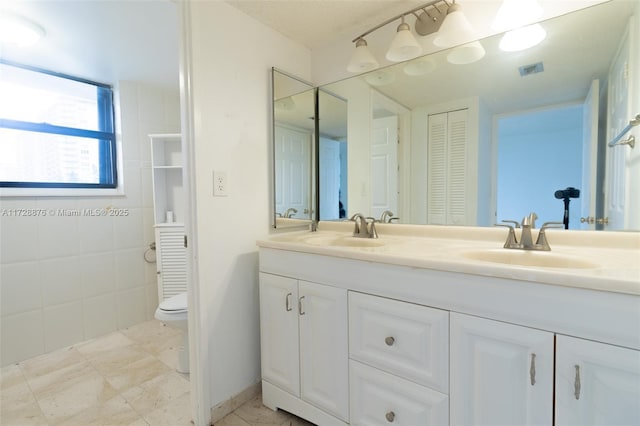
(442,16)
(19,31)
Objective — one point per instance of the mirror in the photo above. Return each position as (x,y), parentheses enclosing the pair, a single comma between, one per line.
(490,101)
(294,128)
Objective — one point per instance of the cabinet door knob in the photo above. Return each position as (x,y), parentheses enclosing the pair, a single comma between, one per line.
(389,341)
(390,416)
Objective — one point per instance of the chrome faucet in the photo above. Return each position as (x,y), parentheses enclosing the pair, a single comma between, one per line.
(290,212)
(526,240)
(363,228)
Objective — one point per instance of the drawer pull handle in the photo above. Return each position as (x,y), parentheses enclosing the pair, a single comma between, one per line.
(288,302)
(576,383)
(390,341)
(532,369)
(390,416)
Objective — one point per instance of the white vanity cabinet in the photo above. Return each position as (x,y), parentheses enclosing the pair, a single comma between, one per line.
(500,373)
(304,347)
(504,374)
(596,383)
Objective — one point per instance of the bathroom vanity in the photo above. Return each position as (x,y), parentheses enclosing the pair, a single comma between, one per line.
(441,325)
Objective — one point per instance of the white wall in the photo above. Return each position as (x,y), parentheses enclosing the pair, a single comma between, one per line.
(231,56)
(65,279)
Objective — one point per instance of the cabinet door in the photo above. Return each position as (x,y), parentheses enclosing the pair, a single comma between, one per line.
(596,383)
(279,332)
(501,374)
(171,262)
(324,348)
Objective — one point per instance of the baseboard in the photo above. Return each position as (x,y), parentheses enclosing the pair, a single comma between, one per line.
(227,407)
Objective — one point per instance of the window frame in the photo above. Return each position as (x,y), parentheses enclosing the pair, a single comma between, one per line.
(106,137)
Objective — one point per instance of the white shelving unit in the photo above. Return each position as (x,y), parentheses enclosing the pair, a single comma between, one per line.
(168,210)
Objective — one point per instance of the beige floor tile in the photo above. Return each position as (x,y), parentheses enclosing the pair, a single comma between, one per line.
(153,336)
(174,413)
(11,375)
(115,411)
(255,413)
(157,392)
(18,406)
(74,394)
(105,343)
(51,362)
(232,420)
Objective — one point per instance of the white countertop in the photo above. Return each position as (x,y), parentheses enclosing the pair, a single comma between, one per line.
(612,258)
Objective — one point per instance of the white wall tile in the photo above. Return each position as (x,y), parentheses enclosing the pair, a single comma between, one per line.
(21,337)
(129,268)
(131,307)
(96,233)
(57,233)
(61,281)
(128,230)
(63,325)
(152,300)
(97,274)
(19,240)
(132,187)
(20,288)
(100,315)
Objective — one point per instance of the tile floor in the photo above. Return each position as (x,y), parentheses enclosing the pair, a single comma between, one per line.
(124,378)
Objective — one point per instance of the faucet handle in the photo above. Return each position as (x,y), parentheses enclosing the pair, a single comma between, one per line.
(511,237)
(542,241)
(516,224)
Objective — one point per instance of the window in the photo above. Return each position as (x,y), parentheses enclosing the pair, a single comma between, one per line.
(56,131)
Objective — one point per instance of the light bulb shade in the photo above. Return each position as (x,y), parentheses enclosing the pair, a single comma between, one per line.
(516,13)
(362,59)
(404,45)
(522,38)
(16,30)
(455,29)
(466,54)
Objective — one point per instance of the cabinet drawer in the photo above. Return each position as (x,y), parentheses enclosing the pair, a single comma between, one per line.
(404,339)
(379,398)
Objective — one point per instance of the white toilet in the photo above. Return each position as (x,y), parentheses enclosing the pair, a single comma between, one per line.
(173,312)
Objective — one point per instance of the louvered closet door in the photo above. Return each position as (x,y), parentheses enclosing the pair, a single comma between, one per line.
(456,167)
(172,262)
(447,168)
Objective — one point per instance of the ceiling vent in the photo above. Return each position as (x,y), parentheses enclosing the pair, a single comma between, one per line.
(526,70)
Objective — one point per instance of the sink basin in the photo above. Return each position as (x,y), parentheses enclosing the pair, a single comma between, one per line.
(545,259)
(344,241)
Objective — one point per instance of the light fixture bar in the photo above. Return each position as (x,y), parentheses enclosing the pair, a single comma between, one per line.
(402,15)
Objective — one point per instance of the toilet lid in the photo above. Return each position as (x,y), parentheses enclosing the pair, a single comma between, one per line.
(175,303)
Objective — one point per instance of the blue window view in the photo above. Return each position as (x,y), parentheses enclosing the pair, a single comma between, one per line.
(56,131)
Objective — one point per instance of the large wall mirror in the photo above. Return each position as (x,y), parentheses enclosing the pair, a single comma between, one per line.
(294,130)
(431,142)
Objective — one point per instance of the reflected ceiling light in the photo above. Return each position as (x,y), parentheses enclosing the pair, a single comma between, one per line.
(404,45)
(285,104)
(362,59)
(17,30)
(380,78)
(466,54)
(516,13)
(522,38)
(455,29)
(420,66)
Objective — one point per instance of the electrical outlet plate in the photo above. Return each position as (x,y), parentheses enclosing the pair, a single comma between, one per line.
(220,183)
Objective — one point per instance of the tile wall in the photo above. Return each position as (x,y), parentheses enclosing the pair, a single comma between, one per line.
(65,279)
